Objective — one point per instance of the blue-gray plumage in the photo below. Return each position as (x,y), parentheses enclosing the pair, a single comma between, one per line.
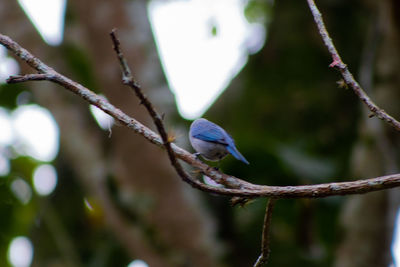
(212,142)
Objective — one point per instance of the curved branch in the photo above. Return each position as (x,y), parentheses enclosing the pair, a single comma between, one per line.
(236,186)
(344,70)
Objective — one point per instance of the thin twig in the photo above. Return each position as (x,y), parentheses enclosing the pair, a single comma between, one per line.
(263,258)
(346,74)
(236,186)
(28,77)
(127,79)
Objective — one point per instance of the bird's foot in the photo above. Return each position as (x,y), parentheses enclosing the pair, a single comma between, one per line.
(197,155)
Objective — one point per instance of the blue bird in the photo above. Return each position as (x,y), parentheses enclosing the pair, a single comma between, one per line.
(212,142)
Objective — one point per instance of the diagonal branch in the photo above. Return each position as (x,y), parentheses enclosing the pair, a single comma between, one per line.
(344,70)
(236,187)
(127,79)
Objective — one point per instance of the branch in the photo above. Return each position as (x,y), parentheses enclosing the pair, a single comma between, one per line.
(346,74)
(47,73)
(127,79)
(235,186)
(263,258)
(29,77)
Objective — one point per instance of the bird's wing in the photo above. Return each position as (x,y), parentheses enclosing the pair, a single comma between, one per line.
(212,135)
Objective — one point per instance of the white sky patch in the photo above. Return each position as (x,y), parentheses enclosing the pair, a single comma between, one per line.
(24,98)
(8,65)
(137,263)
(396,241)
(6,132)
(45,179)
(104,120)
(48,18)
(20,252)
(198,64)
(37,132)
(22,191)
(4,165)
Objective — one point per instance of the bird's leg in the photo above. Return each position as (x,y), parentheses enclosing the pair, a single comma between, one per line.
(197,155)
(218,166)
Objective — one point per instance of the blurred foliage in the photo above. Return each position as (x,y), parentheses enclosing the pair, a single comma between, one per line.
(77,60)
(258,11)
(9,95)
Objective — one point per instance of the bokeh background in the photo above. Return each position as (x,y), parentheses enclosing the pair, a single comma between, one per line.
(77,189)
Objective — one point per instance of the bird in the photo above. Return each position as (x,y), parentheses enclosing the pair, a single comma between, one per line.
(212,142)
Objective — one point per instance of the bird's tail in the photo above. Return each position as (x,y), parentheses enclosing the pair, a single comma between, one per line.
(234,152)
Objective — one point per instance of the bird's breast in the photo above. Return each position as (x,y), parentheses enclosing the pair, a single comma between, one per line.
(209,150)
